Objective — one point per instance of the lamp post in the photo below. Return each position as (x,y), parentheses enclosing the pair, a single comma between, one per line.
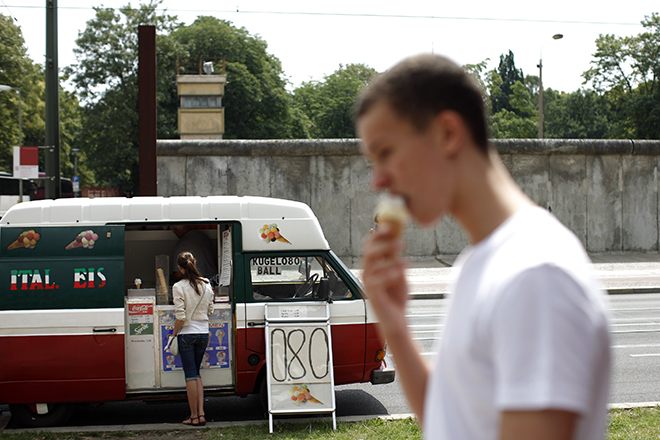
(76,181)
(540,66)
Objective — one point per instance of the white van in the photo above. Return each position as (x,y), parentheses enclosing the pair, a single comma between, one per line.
(76,326)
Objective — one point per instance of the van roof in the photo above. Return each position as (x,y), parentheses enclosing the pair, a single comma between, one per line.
(295,221)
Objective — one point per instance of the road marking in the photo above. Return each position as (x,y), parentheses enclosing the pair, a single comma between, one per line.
(414,326)
(439,315)
(635,309)
(636,346)
(635,331)
(644,355)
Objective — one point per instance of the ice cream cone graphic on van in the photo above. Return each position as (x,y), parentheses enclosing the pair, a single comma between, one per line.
(271,233)
(85,239)
(26,239)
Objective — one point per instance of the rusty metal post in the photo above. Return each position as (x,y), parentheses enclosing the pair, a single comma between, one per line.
(147,109)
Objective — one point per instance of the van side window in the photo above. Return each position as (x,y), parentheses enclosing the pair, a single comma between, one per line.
(293,278)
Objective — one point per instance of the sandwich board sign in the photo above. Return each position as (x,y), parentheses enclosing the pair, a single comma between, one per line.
(26,162)
(299,372)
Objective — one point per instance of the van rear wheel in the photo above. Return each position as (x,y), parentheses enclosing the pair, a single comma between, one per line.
(42,415)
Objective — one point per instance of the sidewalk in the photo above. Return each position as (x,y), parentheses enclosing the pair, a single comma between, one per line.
(430,278)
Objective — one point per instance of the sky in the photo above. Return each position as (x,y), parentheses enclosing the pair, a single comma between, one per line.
(312,38)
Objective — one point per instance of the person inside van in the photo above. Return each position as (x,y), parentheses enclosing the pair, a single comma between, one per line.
(525,349)
(200,245)
(193,301)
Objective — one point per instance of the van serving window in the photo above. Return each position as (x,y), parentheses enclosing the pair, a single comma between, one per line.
(275,278)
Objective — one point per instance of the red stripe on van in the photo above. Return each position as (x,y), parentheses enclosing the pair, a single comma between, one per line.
(63,368)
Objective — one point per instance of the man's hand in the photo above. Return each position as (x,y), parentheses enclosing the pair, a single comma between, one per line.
(387,290)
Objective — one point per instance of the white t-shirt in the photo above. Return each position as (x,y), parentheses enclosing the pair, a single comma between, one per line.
(527,329)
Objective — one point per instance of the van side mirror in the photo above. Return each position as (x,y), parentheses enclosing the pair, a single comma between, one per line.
(324,289)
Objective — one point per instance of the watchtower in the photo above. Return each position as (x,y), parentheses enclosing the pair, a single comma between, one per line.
(200,91)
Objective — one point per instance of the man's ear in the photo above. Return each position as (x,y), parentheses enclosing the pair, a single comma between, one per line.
(451,132)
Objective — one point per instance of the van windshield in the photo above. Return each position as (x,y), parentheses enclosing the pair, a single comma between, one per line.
(277,278)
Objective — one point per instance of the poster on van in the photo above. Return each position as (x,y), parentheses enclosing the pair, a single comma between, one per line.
(217,352)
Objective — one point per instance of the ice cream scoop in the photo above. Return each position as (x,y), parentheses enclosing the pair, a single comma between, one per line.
(392,210)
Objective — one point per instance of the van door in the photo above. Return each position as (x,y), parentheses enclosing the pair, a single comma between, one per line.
(291,277)
(61,314)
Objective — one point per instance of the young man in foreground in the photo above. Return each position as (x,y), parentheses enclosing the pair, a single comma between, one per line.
(525,349)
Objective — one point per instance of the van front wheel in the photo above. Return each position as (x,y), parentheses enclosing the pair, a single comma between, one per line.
(42,415)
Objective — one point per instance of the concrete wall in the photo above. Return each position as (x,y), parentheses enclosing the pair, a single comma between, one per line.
(606,191)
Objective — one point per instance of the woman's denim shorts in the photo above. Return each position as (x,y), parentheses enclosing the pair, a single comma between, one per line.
(191,349)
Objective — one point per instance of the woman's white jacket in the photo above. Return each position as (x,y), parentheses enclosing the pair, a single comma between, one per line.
(185,301)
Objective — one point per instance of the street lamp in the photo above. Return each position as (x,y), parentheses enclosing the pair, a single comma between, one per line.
(540,66)
(20,129)
(76,180)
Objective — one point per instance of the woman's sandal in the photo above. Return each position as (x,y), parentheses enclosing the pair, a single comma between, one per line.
(190,420)
(202,420)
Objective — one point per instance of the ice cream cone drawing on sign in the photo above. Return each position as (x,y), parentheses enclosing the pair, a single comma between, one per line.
(220,334)
(86,239)
(26,240)
(271,233)
(300,394)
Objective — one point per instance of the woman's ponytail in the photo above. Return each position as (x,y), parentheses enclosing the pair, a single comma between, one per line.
(187,261)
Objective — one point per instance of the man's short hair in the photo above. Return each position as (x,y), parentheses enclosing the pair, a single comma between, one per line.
(420,87)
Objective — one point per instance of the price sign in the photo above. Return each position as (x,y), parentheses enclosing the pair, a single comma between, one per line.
(300,376)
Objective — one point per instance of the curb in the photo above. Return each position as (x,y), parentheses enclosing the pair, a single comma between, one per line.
(180,427)
(632,405)
(617,291)
(4,419)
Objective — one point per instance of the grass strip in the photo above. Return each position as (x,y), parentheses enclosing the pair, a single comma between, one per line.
(623,424)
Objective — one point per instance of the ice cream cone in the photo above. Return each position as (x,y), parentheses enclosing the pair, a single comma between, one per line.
(282,239)
(74,244)
(162,286)
(314,400)
(16,244)
(392,211)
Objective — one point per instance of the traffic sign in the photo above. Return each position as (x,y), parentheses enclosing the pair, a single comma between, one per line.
(26,162)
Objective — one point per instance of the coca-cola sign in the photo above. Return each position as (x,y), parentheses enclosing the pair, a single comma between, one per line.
(140,309)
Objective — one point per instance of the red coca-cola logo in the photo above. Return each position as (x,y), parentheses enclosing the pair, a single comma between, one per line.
(140,309)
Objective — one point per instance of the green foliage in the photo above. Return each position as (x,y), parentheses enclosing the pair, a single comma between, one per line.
(521,121)
(106,79)
(257,105)
(509,74)
(626,70)
(633,424)
(329,105)
(583,114)
(18,71)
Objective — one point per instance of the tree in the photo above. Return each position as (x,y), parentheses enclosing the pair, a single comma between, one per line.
(257,105)
(521,121)
(509,75)
(583,114)
(106,79)
(330,105)
(626,70)
(19,71)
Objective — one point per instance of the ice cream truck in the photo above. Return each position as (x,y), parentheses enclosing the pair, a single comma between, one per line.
(86,305)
